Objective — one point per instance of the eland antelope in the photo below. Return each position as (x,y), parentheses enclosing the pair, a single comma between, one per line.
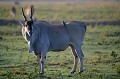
(13,12)
(28,10)
(43,37)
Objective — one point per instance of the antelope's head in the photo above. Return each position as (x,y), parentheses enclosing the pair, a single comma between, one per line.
(27,25)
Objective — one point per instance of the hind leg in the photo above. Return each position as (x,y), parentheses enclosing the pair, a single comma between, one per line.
(75,59)
(81,56)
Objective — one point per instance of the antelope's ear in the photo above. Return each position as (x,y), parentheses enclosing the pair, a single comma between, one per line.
(21,24)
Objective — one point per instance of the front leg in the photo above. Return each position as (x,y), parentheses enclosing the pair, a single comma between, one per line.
(43,57)
(42,64)
(38,58)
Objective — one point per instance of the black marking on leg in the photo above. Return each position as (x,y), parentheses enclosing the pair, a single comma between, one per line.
(76,57)
(81,58)
(41,62)
(45,57)
(40,55)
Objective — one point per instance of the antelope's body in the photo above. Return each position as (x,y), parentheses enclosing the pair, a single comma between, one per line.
(43,37)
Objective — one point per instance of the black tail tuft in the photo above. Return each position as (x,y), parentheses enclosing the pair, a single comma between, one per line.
(64,23)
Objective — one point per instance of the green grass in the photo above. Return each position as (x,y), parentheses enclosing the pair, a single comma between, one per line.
(17,63)
(100,11)
(101,44)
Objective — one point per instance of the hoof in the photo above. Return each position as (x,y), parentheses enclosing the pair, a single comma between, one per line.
(73,72)
(41,73)
(80,72)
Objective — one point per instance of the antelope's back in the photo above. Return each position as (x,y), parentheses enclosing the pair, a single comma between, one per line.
(76,31)
(58,37)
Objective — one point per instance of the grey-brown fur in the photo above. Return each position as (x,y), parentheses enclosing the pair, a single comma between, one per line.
(45,37)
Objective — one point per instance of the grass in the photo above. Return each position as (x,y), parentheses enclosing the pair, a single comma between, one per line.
(101,45)
(98,11)
(17,63)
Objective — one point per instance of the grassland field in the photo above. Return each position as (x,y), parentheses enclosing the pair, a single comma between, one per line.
(101,45)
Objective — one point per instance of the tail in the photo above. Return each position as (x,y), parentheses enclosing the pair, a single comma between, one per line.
(64,24)
(66,28)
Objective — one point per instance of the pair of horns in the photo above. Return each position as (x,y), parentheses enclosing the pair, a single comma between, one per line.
(31,14)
